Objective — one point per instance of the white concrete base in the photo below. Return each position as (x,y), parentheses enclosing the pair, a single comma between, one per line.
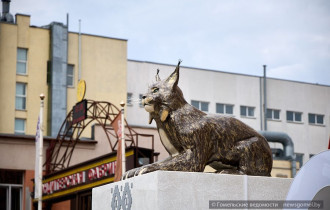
(186,190)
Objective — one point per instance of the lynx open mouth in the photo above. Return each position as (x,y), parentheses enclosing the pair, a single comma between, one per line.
(149,107)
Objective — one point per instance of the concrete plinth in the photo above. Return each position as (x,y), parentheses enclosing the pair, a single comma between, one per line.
(186,190)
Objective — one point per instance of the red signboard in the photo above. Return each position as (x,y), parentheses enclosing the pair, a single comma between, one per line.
(79,112)
(87,175)
(79,178)
(83,176)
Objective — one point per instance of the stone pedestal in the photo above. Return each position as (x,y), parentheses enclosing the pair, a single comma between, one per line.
(186,190)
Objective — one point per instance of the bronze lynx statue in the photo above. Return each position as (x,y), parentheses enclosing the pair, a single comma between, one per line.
(195,139)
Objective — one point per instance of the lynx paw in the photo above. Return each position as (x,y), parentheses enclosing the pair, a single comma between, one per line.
(135,172)
(231,171)
(129,174)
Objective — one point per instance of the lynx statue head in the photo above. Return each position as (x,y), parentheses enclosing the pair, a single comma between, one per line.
(163,96)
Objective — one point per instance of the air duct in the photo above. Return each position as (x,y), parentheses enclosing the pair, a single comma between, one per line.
(288,147)
(58,76)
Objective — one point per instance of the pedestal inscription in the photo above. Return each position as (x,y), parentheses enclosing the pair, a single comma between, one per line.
(186,190)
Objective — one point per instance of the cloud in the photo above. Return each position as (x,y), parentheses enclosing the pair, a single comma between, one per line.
(238,36)
(42,12)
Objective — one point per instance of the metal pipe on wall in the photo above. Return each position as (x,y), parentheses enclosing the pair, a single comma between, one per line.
(288,146)
(79,52)
(261,108)
(265,98)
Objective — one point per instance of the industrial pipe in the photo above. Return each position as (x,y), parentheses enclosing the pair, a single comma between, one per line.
(288,147)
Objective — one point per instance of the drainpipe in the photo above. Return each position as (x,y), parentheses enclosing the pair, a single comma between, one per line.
(265,99)
(261,108)
(79,52)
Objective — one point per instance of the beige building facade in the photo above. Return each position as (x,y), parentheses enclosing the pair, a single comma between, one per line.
(27,57)
(50,60)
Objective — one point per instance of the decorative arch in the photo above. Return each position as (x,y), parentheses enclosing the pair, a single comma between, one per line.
(59,152)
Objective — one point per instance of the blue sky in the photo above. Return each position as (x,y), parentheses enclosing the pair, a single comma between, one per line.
(291,37)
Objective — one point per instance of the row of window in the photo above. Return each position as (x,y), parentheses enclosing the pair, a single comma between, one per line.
(20,100)
(272,114)
(245,111)
(20,104)
(248,111)
(292,116)
(21,88)
(21,66)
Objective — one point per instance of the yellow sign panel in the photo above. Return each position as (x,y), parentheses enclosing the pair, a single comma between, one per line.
(81,90)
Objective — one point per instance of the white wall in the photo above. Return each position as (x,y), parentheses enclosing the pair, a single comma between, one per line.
(305,98)
(196,84)
(237,89)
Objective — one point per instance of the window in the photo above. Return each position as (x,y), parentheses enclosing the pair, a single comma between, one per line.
(273,114)
(293,116)
(224,108)
(11,189)
(247,111)
(129,99)
(70,75)
(195,104)
(140,100)
(20,102)
(203,106)
(19,126)
(316,119)
(21,61)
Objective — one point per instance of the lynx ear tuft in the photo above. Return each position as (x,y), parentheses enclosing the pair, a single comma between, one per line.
(164,114)
(157,76)
(150,119)
(173,79)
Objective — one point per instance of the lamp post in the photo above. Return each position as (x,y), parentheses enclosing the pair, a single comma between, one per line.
(42,97)
(123,158)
